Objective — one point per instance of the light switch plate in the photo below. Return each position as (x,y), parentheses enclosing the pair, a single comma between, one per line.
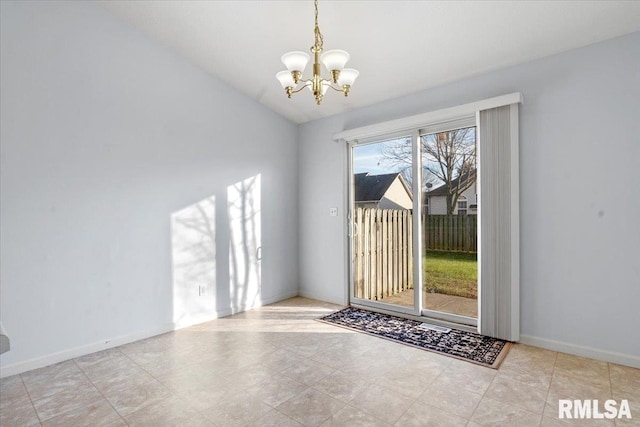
(333,211)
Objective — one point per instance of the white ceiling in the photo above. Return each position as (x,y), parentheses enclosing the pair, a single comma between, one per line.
(399,47)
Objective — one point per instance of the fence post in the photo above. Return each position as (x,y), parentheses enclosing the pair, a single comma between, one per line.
(410,250)
(359,284)
(378,221)
(372,255)
(393,234)
(367,238)
(405,250)
(384,255)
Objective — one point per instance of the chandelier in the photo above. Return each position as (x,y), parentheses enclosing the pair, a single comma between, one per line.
(333,60)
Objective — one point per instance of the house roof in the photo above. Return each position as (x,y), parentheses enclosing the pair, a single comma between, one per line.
(442,190)
(369,188)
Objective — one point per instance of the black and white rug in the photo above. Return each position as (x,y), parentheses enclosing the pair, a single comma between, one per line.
(467,346)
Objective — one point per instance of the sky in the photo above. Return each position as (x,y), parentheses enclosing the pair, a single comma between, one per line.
(369,158)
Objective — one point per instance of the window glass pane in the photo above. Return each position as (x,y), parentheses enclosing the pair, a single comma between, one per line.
(382,218)
(449,227)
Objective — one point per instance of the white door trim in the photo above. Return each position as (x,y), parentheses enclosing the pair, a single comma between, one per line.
(408,124)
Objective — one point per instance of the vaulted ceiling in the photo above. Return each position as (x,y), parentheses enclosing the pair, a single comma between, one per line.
(399,47)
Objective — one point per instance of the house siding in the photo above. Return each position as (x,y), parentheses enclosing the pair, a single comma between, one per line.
(438,204)
(396,197)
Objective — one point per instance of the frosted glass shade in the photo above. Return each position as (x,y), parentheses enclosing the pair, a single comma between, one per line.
(286,79)
(334,59)
(348,76)
(295,61)
(325,86)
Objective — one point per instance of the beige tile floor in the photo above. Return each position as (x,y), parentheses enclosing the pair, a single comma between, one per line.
(276,366)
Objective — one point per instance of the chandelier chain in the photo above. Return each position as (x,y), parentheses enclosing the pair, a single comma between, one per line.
(319,40)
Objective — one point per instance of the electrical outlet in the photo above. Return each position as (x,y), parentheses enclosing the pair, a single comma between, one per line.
(333,211)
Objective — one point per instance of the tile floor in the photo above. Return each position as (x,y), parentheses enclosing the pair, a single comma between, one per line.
(276,366)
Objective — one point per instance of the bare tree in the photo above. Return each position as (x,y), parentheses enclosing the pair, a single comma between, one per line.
(448,157)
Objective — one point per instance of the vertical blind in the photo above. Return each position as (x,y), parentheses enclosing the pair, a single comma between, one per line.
(499,314)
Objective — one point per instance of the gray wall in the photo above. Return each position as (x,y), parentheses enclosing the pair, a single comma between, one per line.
(106,134)
(579,187)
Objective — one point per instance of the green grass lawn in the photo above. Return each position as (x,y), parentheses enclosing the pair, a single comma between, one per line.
(451,273)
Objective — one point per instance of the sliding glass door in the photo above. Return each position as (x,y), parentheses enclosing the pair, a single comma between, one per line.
(412,222)
(381,218)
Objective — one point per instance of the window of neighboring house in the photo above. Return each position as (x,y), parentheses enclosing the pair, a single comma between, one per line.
(462,205)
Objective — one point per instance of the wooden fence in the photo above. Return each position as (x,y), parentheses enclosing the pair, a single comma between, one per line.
(450,232)
(383,247)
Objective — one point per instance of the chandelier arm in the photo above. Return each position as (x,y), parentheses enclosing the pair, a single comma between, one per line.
(340,89)
(298,90)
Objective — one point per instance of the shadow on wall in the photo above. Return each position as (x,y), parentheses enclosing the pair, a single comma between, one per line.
(216,252)
(243,199)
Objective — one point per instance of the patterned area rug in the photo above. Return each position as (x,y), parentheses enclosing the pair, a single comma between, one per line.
(467,346)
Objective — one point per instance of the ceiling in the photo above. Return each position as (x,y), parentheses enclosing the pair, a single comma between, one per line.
(399,47)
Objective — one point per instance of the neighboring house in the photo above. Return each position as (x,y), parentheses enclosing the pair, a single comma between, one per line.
(436,200)
(389,191)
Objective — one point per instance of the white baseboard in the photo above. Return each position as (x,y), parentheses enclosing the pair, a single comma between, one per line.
(233,310)
(50,359)
(578,350)
(263,301)
(61,356)
(313,295)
